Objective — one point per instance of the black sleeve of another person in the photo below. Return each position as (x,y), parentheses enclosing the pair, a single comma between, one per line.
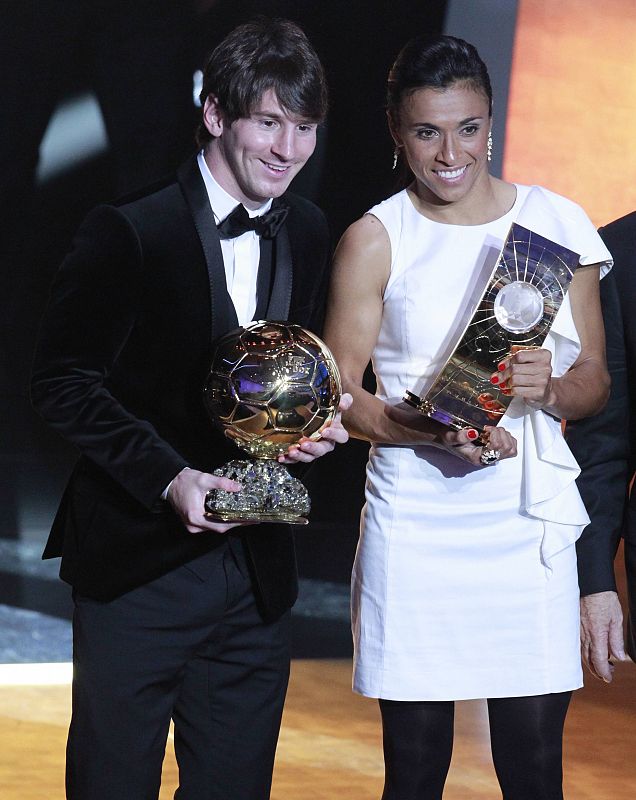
(601,446)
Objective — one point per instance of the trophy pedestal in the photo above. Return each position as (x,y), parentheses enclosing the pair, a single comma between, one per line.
(269,494)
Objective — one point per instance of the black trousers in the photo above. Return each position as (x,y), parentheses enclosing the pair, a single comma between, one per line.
(189,646)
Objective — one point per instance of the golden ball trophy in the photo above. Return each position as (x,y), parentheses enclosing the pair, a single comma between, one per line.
(269,385)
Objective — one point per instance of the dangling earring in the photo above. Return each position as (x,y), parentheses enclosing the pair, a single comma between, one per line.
(396,153)
(489,146)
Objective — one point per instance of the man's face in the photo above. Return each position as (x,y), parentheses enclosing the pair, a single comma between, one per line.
(257,157)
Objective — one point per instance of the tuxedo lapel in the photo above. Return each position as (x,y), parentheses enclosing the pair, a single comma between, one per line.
(222,311)
(274,294)
(280,297)
(264,281)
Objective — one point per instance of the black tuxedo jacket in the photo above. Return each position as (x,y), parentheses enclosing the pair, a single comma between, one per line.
(605,445)
(119,369)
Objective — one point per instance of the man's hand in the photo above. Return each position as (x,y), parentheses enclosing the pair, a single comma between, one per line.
(334,433)
(601,633)
(187,495)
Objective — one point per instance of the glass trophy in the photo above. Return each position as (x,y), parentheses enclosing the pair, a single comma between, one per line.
(524,293)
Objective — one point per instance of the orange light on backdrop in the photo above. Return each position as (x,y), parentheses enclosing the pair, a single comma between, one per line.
(571,122)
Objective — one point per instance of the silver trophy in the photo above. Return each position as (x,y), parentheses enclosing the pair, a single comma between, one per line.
(517,308)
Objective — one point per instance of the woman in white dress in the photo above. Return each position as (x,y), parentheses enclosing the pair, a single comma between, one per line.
(464,584)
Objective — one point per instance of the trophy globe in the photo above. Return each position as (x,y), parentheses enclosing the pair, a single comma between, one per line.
(269,385)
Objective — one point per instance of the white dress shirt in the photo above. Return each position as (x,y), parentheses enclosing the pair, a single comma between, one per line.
(241,254)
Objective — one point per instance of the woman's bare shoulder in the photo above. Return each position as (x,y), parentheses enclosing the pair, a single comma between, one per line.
(367,238)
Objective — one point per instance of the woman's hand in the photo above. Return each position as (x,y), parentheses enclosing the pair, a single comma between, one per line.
(307,450)
(461,444)
(527,374)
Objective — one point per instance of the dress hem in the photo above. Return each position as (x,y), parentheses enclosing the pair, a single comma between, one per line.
(468,696)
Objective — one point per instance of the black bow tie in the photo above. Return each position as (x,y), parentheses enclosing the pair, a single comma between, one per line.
(239,222)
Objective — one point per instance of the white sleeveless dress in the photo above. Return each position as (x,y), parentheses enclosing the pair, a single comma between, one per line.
(464,583)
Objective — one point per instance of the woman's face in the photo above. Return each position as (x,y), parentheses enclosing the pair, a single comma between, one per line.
(444,136)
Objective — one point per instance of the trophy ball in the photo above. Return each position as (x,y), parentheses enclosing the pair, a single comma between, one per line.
(269,385)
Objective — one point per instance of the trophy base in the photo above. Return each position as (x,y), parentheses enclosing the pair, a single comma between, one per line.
(290,519)
(269,494)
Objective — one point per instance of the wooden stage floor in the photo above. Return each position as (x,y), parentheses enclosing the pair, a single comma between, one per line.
(330,745)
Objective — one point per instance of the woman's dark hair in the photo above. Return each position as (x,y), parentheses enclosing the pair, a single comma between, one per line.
(260,55)
(436,64)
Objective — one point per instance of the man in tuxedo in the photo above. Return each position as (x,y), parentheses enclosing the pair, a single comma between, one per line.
(177,616)
(605,447)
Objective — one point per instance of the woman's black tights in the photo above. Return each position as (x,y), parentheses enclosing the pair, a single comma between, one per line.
(526,736)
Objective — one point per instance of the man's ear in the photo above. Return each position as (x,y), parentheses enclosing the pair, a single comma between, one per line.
(213,116)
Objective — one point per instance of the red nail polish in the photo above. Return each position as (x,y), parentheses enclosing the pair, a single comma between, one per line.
(501,367)
(472,434)
(494,379)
